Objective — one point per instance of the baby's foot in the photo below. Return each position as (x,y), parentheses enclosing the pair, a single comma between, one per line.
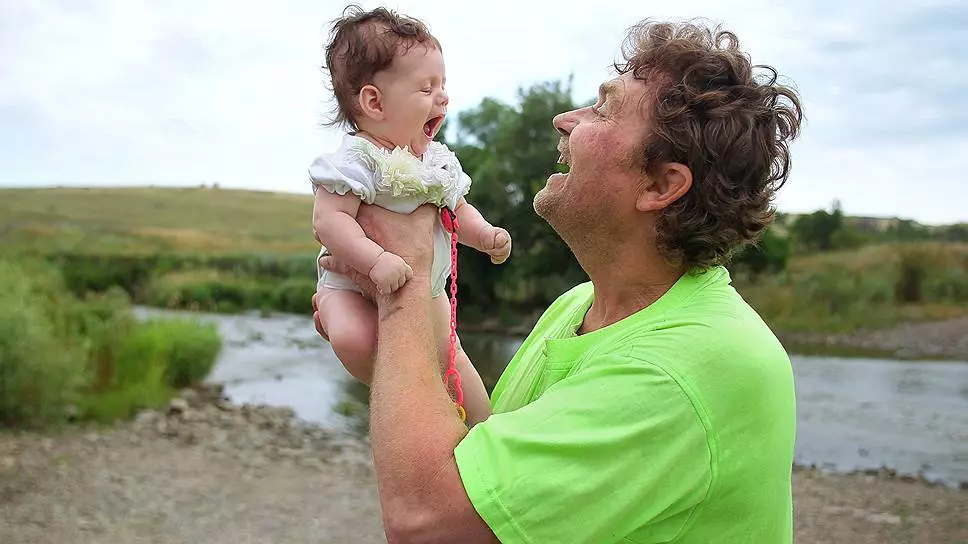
(496,242)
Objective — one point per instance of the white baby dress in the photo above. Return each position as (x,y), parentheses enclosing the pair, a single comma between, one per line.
(397,181)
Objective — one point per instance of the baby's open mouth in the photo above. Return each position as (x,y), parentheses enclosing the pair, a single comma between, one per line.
(431,127)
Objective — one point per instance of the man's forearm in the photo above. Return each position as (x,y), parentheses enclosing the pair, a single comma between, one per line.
(414,426)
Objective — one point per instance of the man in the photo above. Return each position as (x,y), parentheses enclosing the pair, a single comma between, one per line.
(650,404)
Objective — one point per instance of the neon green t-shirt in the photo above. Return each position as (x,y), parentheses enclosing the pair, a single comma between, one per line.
(676,424)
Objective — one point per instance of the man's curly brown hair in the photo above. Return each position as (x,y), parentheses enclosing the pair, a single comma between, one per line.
(730,127)
(362,44)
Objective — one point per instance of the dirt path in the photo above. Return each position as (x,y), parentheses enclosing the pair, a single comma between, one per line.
(217,473)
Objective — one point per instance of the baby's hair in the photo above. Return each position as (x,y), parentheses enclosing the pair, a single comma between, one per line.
(361,44)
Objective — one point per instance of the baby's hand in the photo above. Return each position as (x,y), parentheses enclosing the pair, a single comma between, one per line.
(496,242)
(389,273)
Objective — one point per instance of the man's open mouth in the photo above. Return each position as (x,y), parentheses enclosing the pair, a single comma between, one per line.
(431,127)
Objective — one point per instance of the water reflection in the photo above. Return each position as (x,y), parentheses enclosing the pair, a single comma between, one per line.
(852,413)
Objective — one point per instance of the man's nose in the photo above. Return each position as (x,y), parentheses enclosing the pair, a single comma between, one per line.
(565,122)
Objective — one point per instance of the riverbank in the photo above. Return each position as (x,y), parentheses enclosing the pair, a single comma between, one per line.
(942,339)
(206,470)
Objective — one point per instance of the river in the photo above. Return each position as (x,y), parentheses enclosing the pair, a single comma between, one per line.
(853,414)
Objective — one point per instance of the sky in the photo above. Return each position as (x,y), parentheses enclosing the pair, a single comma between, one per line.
(138,92)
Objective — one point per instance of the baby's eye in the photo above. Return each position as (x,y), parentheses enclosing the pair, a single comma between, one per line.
(427,91)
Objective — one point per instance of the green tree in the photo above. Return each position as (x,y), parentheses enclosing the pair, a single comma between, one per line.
(816,231)
(770,254)
(509,151)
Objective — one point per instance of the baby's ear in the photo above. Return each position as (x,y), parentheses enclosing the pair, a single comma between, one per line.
(371,102)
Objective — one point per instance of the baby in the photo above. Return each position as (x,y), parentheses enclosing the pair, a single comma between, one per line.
(387,74)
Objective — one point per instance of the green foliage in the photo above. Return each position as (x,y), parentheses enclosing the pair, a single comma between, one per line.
(509,151)
(913,268)
(186,348)
(869,288)
(57,350)
(290,296)
(39,370)
(816,231)
(770,254)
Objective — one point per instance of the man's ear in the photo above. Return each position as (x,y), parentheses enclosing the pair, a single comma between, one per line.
(371,102)
(671,181)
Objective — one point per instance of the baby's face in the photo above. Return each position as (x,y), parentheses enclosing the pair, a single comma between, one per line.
(413,98)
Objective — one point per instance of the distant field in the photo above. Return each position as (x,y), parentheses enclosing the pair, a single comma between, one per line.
(151,220)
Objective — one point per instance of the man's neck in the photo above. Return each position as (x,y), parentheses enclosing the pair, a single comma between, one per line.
(625,285)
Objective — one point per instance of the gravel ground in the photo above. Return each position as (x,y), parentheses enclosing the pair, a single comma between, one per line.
(209,472)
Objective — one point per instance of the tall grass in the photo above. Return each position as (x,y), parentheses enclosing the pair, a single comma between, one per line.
(57,350)
(874,287)
(41,357)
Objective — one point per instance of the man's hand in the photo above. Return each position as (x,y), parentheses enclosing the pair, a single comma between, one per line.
(496,242)
(410,236)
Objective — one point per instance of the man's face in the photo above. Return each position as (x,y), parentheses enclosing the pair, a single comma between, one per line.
(602,145)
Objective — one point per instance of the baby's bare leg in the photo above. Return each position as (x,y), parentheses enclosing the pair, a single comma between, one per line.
(476,401)
(350,323)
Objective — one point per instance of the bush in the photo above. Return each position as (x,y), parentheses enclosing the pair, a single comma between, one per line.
(212,291)
(950,285)
(152,360)
(913,268)
(41,360)
(193,349)
(295,296)
(57,350)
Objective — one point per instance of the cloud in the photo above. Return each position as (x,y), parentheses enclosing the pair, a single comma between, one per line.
(125,92)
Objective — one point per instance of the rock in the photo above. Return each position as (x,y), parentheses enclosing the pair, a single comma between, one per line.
(71,413)
(189,415)
(177,405)
(228,406)
(190,395)
(8,463)
(146,418)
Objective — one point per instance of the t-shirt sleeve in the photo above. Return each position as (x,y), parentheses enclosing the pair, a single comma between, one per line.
(611,449)
(342,174)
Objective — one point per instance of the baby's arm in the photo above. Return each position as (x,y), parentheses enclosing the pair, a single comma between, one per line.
(475,231)
(334,219)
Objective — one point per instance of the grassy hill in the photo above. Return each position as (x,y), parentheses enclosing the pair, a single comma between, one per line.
(151,220)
